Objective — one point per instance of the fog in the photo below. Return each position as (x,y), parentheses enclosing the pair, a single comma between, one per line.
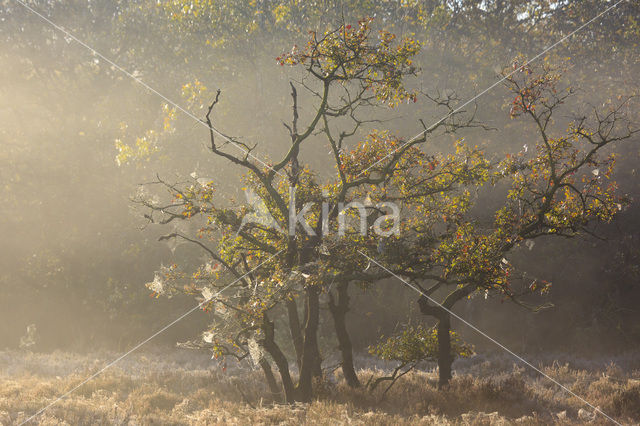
(81,140)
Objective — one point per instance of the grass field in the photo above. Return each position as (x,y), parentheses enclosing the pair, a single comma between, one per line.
(186,388)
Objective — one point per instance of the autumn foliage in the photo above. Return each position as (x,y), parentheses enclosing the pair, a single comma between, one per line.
(258,278)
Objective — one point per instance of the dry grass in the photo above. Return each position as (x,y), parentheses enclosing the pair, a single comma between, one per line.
(187,390)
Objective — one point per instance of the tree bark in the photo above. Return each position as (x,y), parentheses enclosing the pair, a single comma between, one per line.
(279,359)
(317,365)
(339,310)
(296,330)
(445,359)
(442,313)
(310,353)
(270,378)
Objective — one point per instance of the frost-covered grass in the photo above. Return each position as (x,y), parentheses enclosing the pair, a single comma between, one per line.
(183,387)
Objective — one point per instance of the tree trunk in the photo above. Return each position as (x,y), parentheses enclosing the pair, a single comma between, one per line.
(445,359)
(271,380)
(317,366)
(295,329)
(338,312)
(279,359)
(310,353)
(312,302)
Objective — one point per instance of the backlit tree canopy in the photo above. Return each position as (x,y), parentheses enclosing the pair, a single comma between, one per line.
(261,273)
